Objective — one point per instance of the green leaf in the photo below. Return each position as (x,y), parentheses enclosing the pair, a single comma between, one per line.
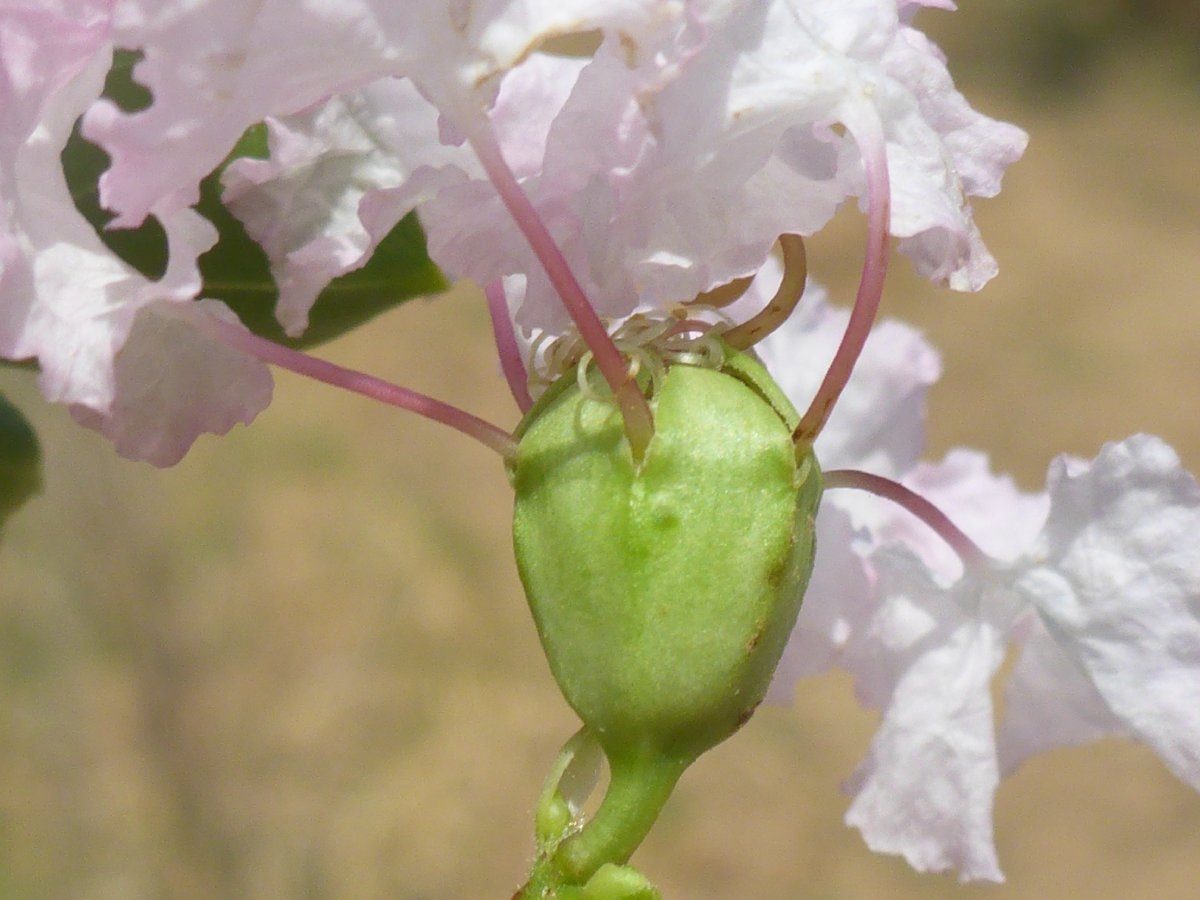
(236,269)
(20,460)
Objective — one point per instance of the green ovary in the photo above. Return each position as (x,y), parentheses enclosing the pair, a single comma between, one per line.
(664,591)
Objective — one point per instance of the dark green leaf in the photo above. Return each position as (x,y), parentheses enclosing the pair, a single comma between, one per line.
(20,460)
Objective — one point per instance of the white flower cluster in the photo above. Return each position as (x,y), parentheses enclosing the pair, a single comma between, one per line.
(664,163)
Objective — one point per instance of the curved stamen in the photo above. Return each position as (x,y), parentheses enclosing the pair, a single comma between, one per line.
(968,551)
(360,383)
(506,345)
(639,424)
(870,287)
(775,313)
(723,294)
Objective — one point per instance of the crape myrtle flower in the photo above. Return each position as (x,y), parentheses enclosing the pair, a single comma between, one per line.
(665,164)
(1096,582)
(661,167)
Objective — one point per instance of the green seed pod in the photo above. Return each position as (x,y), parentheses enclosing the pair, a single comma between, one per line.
(663,589)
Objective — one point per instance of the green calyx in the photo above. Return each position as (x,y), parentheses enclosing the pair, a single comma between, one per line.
(664,589)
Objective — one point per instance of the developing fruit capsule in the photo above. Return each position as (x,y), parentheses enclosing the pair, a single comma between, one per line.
(663,589)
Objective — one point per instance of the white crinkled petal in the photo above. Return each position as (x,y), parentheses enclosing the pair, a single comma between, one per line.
(1118,587)
(470,233)
(65,299)
(175,382)
(85,299)
(591,136)
(303,204)
(216,68)
(1049,703)
(670,171)
(53,65)
(773,80)
(926,788)
(342,174)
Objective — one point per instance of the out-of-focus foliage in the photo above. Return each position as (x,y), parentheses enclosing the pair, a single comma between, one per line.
(1055,48)
(20,460)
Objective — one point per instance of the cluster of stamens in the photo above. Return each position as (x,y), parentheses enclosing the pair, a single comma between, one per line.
(696,333)
(651,342)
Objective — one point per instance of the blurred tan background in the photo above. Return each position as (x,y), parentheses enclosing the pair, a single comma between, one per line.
(298,665)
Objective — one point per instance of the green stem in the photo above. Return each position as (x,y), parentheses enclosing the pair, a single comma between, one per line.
(637,789)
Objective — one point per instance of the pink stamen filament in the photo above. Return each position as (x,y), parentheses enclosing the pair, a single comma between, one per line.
(870,286)
(486,433)
(639,424)
(968,551)
(506,345)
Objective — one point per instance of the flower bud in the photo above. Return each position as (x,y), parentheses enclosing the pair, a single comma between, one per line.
(664,589)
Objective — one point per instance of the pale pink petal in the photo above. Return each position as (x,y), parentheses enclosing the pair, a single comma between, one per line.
(470,232)
(925,789)
(941,152)
(775,77)
(65,299)
(673,166)
(1117,585)
(175,382)
(304,203)
(52,64)
(1049,702)
(218,67)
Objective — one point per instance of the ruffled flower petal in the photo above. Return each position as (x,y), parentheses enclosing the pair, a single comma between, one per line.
(925,789)
(1049,702)
(673,166)
(66,300)
(215,68)
(1105,603)
(304,204)
(1117,585)
(174,381)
